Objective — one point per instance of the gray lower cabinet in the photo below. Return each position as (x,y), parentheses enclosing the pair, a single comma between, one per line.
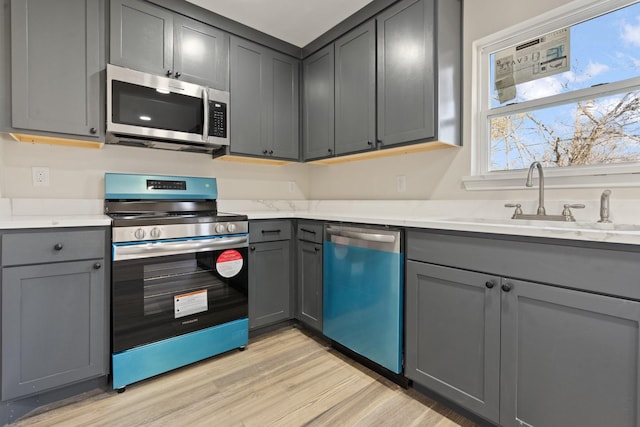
(309,284)
(149,38)
(318,118)
(264,102)
(270,293)
(518,352)
(55,299)
(57,59)
(453,335)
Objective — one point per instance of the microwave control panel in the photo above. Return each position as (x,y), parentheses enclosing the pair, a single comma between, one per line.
(217,119)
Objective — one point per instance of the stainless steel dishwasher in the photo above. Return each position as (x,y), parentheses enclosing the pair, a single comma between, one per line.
(363,292)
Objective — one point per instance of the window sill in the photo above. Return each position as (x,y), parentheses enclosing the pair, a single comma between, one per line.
(516,180)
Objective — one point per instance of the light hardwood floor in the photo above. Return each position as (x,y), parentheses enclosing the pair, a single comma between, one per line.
(286,378)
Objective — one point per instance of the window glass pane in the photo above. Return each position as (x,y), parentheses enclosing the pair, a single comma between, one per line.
(592,132)
(601,50)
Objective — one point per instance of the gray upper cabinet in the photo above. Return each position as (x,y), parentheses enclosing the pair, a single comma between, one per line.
(201,53)
(355,90)
(264,102)
(406,84)
(148,38)
(318,113)
(57,59)
(141,37)
(396,81)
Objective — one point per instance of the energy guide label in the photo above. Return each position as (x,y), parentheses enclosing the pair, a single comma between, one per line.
(229,263)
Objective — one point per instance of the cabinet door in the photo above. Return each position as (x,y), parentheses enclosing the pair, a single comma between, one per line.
(56,59)
(269,283)
(406,85)
(569,358)
(355,90)
(453,335)
(248,90)
(141,37)
(53,326)
(283,111)
(310,284)
(201,54)
(318,111)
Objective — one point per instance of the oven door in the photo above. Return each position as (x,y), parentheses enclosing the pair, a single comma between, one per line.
(167,288)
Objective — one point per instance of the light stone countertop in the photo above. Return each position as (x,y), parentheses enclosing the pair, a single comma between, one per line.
(483,216)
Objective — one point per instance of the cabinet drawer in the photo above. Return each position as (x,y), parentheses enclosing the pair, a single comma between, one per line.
(310,232)
(40,247)
(269,231)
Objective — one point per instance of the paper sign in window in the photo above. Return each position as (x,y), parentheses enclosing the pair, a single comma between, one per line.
(535,59)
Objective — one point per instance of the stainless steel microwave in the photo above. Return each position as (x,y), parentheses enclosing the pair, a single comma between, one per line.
(158,112)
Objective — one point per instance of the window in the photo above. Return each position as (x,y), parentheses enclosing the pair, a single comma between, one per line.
(564,90)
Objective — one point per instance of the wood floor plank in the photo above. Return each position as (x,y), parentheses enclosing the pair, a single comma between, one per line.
(286,378)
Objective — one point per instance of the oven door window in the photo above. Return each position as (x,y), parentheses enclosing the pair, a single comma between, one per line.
(161,297)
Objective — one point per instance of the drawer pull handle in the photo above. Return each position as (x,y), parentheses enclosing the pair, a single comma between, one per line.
(308,231)
(271,231)
(58,246)
(97,266)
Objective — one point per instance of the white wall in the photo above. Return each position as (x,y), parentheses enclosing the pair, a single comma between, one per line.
(77,173)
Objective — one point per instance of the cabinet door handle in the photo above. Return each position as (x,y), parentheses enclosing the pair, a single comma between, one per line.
(97,266)
(271,152)
(317,249)
(93,131)
(252,248)
(264,151)
(507,287)
(489,284)
(178,74)
(58,246)
(306,230)
(369,143)
(169,72)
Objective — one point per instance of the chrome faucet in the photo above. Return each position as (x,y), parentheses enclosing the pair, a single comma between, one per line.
(604,206)
(529,183)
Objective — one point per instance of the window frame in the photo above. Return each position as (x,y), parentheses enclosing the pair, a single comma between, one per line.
(593,176)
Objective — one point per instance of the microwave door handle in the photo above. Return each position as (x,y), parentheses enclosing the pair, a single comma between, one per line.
(205,126)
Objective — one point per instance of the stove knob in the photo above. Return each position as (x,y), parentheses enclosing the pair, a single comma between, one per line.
(155,232)
(139,233)
(220,228)
(231,227)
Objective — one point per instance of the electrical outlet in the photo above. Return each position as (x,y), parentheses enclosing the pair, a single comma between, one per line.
(401,183)
(40,176)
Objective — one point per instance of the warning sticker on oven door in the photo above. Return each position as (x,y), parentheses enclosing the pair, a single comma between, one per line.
(191,303)
(229,263)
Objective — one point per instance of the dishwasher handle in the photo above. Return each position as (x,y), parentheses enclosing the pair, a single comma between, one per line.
(369,237)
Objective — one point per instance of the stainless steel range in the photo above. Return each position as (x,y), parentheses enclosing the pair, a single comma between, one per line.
(179,274)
